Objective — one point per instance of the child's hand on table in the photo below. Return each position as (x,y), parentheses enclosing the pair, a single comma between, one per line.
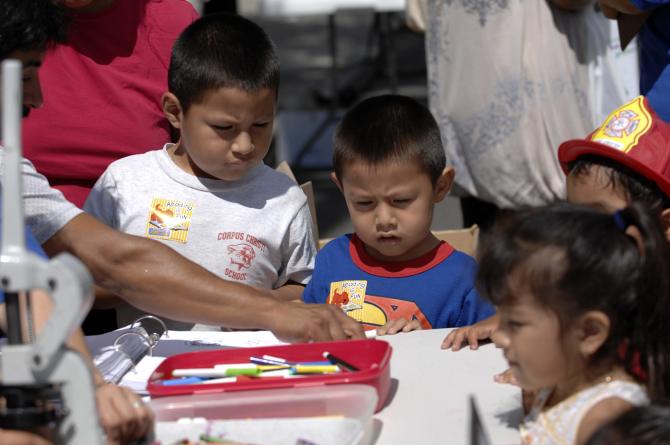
(399,325)
(481,330)
(527,396)
(506,377)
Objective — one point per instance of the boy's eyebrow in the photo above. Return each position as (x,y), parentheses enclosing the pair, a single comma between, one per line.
(367,195)
(227,117)
(398,188)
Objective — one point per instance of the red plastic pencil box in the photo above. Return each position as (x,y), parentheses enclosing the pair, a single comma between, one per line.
(371,357)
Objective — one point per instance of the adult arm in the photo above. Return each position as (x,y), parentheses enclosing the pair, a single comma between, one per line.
(156,279)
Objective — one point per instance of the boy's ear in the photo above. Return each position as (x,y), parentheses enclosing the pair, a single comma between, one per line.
(444,183)
(172,109)
(333,177)
(665,221)
(593,328)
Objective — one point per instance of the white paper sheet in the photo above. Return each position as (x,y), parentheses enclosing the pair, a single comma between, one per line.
(136,379)
(236,339)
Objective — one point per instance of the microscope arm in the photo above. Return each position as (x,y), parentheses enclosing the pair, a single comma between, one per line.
(48,360)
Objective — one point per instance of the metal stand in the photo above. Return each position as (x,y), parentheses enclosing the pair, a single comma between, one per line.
(47,361)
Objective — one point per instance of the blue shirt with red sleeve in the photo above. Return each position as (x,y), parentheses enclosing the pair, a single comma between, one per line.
(436,289)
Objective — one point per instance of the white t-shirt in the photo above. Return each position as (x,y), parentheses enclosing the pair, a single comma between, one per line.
(46,209)
(255,231)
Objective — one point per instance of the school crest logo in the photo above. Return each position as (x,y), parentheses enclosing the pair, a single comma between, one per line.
(241,255)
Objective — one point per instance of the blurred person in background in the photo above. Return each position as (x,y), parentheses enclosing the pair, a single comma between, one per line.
(509,81)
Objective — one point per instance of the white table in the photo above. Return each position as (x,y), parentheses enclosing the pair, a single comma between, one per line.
(428,402)
(430,405)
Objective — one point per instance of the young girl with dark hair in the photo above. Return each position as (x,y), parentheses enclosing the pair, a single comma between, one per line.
(583,303)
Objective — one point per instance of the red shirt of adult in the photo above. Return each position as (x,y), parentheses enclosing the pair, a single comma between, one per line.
(102,92)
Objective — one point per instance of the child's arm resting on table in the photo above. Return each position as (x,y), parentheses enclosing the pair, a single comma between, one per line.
(481,330)
(399,325)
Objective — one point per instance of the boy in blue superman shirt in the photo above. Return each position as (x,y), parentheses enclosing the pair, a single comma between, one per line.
(393,273)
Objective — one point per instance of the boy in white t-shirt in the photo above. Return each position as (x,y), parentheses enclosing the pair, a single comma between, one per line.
(209,196)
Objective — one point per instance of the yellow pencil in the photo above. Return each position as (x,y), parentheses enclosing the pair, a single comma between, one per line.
(316,369)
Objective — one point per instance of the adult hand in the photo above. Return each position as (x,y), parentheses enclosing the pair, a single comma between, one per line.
(313,322)
(471,334)
(123,415)
(399,325)
(10,437)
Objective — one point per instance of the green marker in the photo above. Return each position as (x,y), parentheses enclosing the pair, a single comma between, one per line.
(232,372)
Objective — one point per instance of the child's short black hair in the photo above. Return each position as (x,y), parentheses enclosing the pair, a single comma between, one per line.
(643,425)
(27,25)
(221,51)
(389,128)
(636,187)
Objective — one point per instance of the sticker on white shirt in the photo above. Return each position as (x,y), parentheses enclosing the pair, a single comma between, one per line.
(169,219)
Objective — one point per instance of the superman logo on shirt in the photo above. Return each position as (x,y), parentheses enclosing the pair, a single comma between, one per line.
(372,310)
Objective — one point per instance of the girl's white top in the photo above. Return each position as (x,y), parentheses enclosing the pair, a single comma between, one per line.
(559,424)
